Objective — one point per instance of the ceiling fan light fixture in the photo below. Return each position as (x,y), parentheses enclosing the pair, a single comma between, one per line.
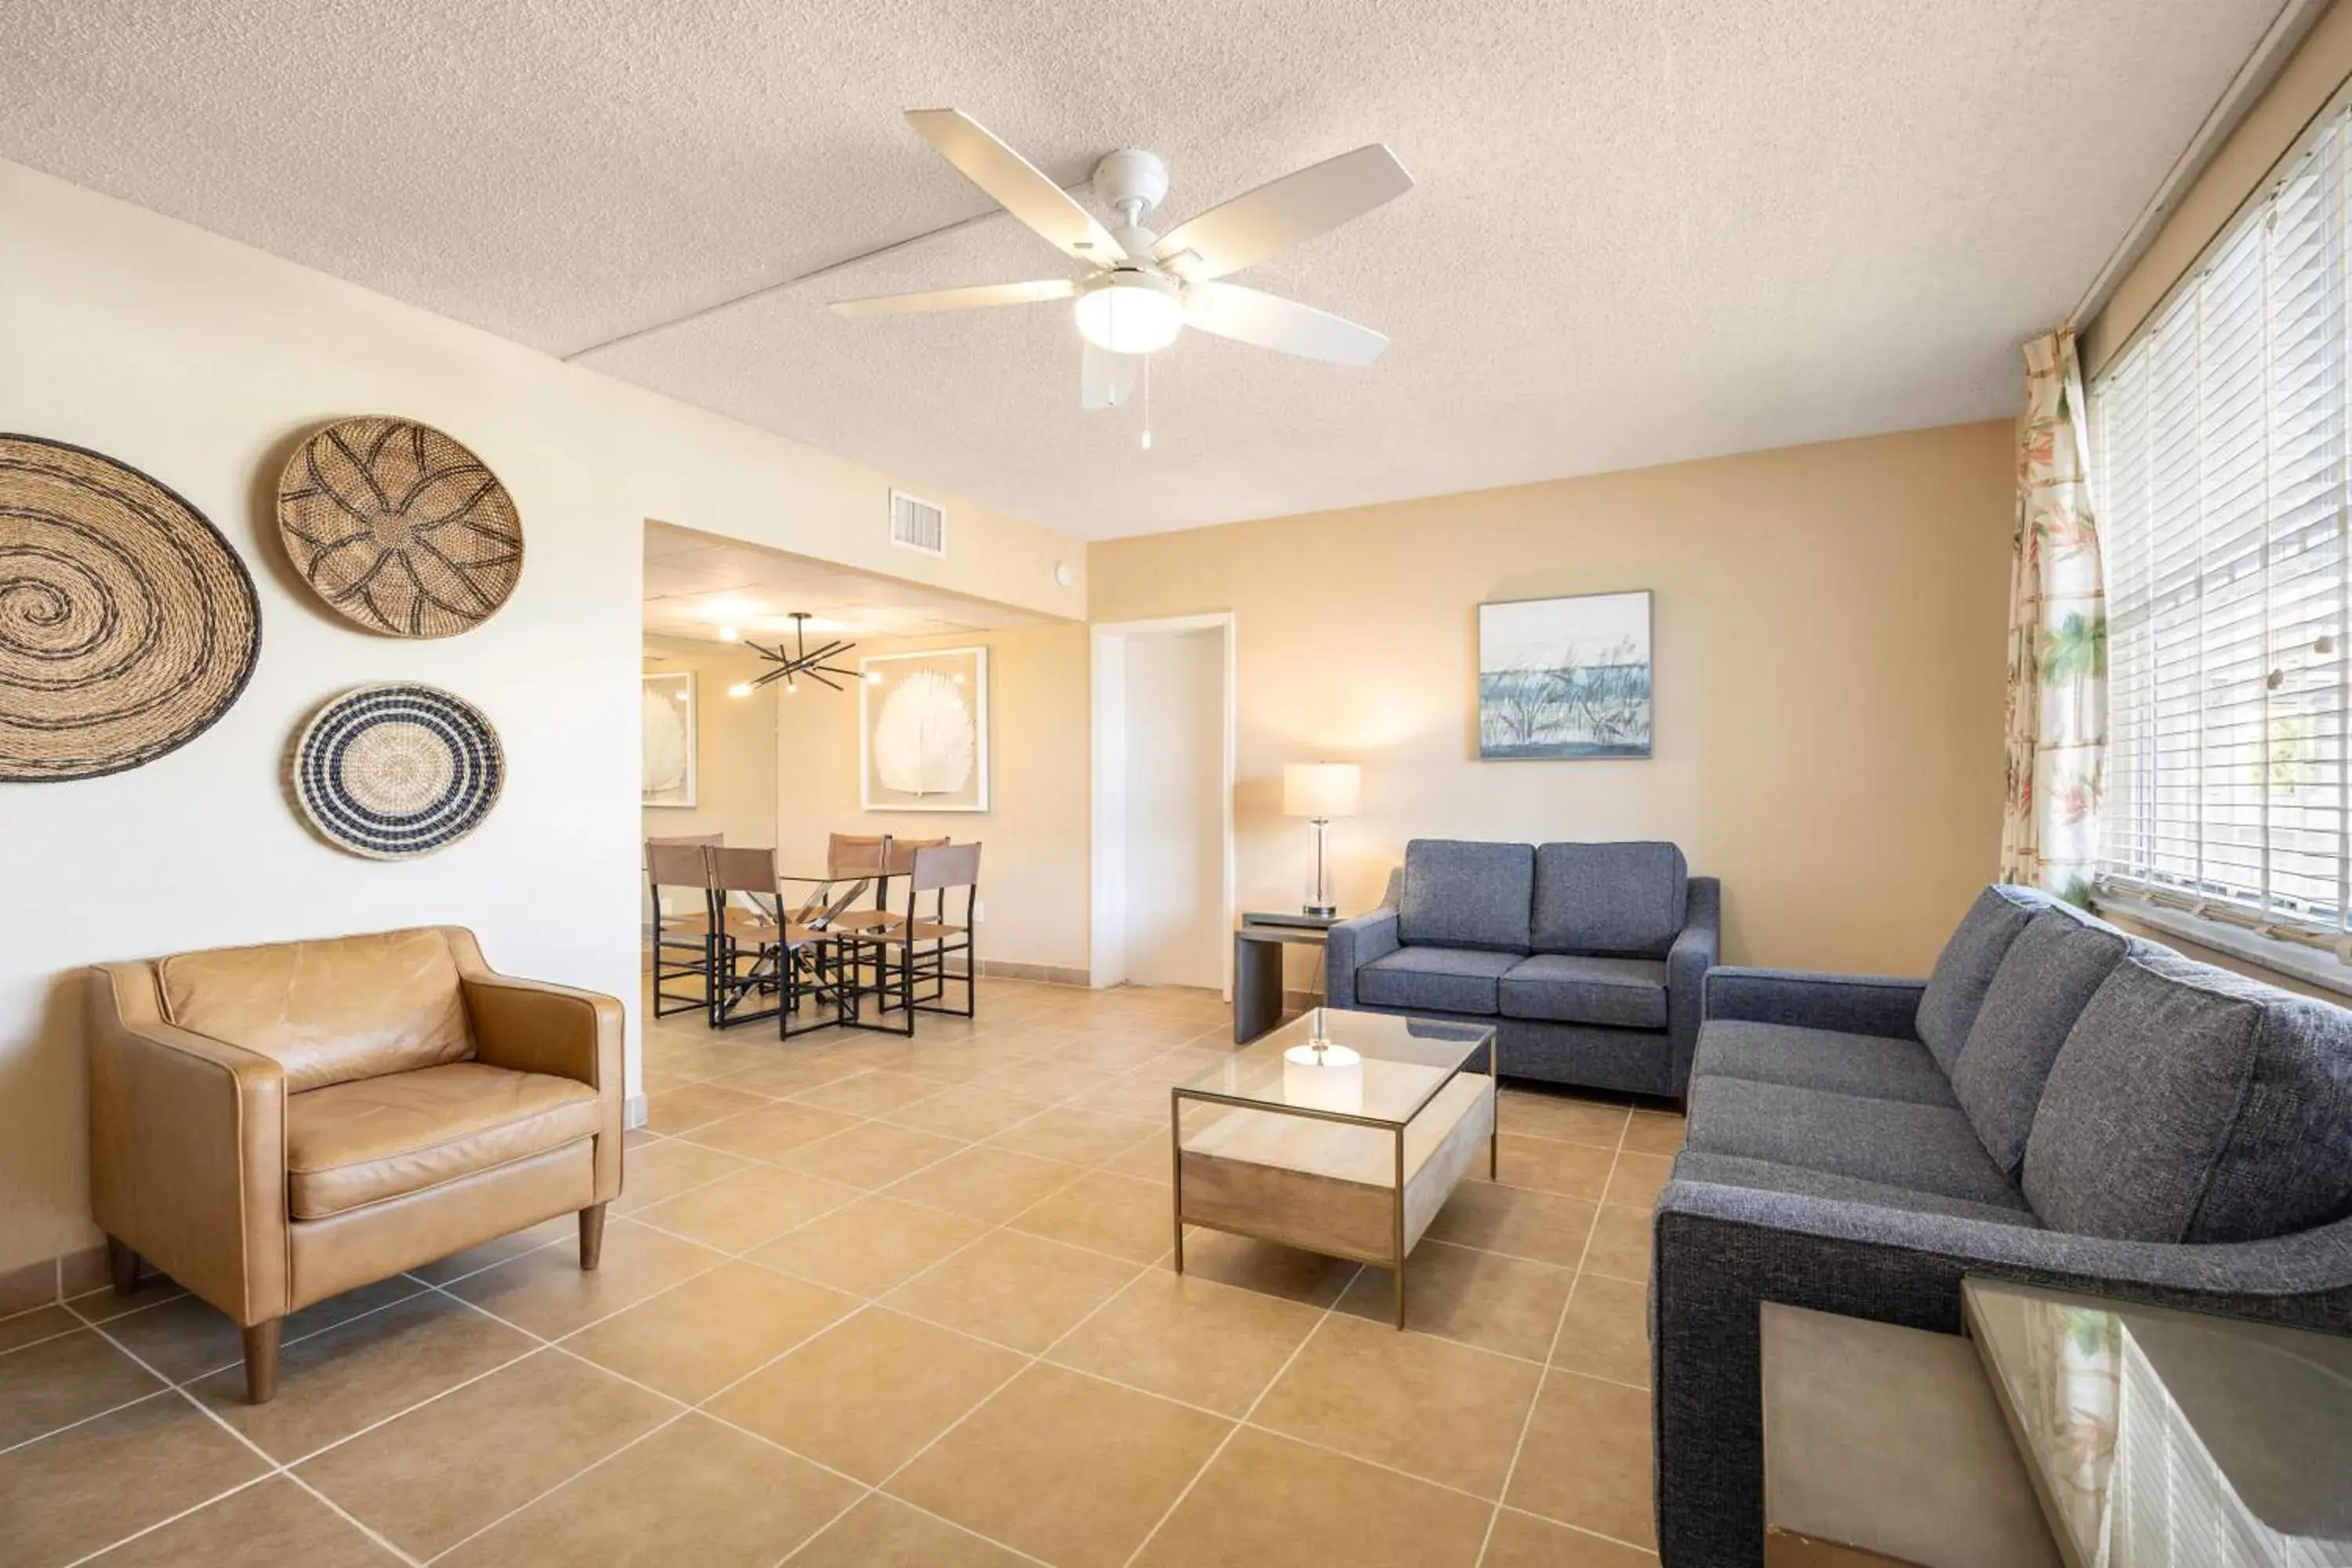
(1130,312)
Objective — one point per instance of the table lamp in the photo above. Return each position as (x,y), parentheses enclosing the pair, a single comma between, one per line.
(1321,791)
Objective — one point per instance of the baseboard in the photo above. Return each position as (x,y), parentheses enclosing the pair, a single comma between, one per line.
(633,1111)
(52,1279)
(1047,973)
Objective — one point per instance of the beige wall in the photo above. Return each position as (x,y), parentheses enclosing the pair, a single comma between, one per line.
(202,363)
(2275,122)
(1829,657)
(735,747)
(1032,872)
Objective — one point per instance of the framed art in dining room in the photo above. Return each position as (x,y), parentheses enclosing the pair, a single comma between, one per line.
(922,731)
(1565,679)
(669,744)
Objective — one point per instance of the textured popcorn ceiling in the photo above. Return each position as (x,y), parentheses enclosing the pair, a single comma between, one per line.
(1644,230)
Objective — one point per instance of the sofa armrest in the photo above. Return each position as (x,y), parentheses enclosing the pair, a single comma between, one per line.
(1351,944)
(1690,958)
(1849,1003)
(1722,1251)
(187,1148)
(530,1025)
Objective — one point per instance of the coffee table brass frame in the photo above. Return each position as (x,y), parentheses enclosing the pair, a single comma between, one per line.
(1394,1261)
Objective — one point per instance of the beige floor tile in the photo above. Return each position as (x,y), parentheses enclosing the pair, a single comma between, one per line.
(1586,1459)
(1044,1077)
(883,1533)
(1063,1467)
(683,1110)
(1110,1214)
(1077,1137)
(772,1131)
(1606,1331)
(866,1394)
(965,1112)
(1656,1133)
(1547,1166)
(563,1227)
(87,1487)
(1266,1267)
(99,1305)
(1141,1094)
(432,1477)
(869,1093)
(40,1324)
(548,1293)
(1638,1179)
(63,1379)
(869,1246)
(1191,1338)
(1523,1541)
(186,1338)
(1482,1299)
(785,1072)
(691,1341)
(872,1155)
(738,1212)
(1428,1406)
(271,1521)
(663,1170)
(1564,1117)
(1545,1226)
(1014,1289)
(331,1385)
(1146,1161)
(1271,1503)
(1621,1243)
(693,1492)
(986,1183)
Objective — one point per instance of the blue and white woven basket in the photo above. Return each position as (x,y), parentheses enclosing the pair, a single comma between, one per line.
(397,770)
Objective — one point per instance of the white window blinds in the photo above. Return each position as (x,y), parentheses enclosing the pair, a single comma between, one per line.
(2218,470)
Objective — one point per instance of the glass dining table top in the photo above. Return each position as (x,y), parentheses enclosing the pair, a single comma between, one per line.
(1404,1062)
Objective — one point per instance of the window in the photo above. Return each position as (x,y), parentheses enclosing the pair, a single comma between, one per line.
(2217,445)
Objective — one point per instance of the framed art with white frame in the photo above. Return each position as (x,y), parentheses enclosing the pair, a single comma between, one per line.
(922,731)
(670,741)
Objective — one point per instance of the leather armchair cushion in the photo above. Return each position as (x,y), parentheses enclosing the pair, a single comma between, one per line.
(329,1011)
(353,1143)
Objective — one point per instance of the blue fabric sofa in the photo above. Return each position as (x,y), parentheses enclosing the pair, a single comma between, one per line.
(2059,1103)
(1588,958)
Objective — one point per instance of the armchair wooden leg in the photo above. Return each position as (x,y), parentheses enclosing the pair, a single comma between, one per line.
(261,1360)
(591,1237)
(123,1264)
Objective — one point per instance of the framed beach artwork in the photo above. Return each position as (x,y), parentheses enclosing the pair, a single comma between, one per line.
(922,731)
(670,738)
(1565,679)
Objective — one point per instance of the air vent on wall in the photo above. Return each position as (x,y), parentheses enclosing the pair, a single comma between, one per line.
(916,524)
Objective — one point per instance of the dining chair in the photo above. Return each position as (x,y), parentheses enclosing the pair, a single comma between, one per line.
(912,949)
(748,937)
(682,939)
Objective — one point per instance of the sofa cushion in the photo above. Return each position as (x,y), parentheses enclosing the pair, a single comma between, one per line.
(1446,979)
(2045,982)
(359,1143)
(329,1011)
(1609,898)
(1873,1067)
(1567,988)
(1458,893)
(1963,973)
(1734,1170)
(2194,1105)
(1921,1148)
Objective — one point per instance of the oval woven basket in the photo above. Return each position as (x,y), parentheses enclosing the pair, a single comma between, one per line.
(399,528)
(127,625)
(397,770)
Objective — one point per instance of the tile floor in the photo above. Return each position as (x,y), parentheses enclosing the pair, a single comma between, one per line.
(870,1301)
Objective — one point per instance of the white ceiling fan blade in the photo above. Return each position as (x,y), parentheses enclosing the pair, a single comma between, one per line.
(1280,214)
(1107,380)
(1015,184)
(971,298)
(1271,321)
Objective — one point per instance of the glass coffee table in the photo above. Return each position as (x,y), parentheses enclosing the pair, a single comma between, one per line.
(1340,1132)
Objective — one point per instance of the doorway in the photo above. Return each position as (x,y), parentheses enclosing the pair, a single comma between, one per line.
(1164,777)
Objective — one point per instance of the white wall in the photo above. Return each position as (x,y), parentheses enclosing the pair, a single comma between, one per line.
(202,363)
(1173,827)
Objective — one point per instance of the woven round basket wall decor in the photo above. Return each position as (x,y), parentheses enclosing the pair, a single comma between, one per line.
(398,769)
(399,528)
(127,623)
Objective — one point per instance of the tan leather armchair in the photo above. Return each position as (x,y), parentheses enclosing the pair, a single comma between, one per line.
(274,1125)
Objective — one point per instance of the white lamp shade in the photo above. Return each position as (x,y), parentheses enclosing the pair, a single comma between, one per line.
(1322,789)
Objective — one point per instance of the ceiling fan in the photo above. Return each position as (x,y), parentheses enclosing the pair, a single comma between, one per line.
(1142,289)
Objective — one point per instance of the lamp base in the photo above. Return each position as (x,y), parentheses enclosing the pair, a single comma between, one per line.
(1321,911)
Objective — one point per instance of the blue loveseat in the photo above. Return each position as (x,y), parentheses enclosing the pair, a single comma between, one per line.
(1588,958)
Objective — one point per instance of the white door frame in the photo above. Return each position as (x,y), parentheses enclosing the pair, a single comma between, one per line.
(1107,943)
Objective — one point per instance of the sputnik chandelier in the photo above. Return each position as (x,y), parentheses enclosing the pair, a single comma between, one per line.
(800,660)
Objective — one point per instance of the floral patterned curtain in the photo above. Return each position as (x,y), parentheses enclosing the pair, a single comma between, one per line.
(2057,716)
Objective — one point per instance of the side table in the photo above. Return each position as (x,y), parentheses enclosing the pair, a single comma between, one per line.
(1257,966)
